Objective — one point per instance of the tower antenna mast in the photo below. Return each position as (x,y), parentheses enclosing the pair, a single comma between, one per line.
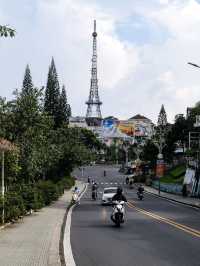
(93,115)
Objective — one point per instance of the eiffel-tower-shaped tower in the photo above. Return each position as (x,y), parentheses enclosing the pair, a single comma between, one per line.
(93,115)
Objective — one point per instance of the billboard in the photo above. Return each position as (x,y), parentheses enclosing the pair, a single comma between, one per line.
(140,131)
(108,123)
(126,128)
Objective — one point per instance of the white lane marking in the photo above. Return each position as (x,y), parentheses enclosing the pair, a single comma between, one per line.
(102,183)
(106,183)
(68,255)
(111,183)
(115,183)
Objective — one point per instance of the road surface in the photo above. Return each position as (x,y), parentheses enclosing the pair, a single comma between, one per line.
(156,232)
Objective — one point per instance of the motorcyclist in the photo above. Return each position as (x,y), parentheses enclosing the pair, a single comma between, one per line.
(119,195)
(140,189)
(94,190)
(75,196)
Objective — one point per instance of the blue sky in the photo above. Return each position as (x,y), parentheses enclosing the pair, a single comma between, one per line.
(143,50)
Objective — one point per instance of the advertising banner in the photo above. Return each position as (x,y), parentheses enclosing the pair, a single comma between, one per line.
(108,124)
(160,168)
(126,128)
(140,131)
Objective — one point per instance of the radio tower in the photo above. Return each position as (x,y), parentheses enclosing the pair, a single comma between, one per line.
(93,115)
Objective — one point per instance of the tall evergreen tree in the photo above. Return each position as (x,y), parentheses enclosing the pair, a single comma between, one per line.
(52,94)
(162,117)
(63,106)
(69,111)
(27,86)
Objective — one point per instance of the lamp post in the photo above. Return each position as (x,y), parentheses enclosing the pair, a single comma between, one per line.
(116,151)
(125,148)
(160,143)
(194,65)
(2,185)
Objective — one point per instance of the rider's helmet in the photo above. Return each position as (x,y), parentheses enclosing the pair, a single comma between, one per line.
(76,188)
(119,190)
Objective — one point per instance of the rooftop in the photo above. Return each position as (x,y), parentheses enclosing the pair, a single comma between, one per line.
(139,117)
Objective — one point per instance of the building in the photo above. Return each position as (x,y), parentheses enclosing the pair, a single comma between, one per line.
(78,121)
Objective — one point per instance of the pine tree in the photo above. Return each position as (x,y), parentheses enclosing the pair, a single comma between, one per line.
(52,94)
(162,117)
(27,86)
(69,111)
(63,106)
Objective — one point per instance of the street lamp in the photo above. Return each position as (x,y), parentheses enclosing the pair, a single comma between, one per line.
(125,148)
(160,143)
(117,151)
(194,65)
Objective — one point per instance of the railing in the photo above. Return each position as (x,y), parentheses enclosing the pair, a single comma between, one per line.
(169,188)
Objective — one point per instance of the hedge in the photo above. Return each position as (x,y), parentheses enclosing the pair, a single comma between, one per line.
(21,199)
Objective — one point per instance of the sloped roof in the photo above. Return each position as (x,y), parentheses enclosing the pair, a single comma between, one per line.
(110,117)
(139,117)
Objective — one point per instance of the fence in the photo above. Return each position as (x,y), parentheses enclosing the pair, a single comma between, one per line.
(170,188)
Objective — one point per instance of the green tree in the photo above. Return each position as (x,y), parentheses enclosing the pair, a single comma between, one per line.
(27,86)
(149,153)
(6,31)
(63,107)
(52,95)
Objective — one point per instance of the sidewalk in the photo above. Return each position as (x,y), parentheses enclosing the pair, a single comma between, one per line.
(194,202)
(34,241)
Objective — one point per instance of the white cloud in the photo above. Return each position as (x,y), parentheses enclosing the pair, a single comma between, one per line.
(133,78)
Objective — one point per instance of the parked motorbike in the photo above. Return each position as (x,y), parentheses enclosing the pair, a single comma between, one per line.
(118,213)
(140,195)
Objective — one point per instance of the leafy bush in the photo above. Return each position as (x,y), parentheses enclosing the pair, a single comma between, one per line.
(48,190)
(14,206)
(23,198)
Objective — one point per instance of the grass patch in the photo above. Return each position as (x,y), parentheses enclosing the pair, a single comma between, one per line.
(178,171)
(174,176)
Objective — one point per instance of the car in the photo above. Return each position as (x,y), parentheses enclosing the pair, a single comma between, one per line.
(108,193)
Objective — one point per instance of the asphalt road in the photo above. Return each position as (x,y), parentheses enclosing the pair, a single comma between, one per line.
(156,232)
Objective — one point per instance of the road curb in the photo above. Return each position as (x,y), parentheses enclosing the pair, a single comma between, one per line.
(63,227)
(174,200)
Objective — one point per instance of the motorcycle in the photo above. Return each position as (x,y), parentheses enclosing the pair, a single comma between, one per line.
(75,198)
(118,213)
(140,195)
